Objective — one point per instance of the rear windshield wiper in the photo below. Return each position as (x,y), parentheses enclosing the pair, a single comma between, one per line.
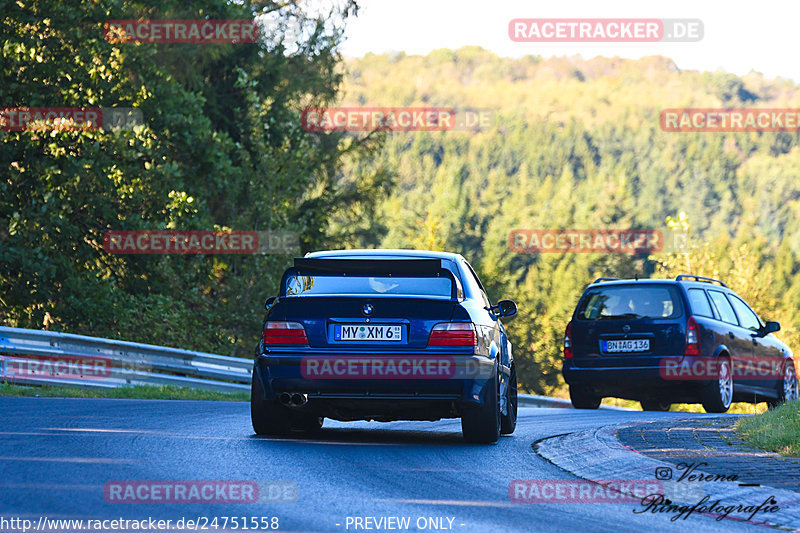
(626,315)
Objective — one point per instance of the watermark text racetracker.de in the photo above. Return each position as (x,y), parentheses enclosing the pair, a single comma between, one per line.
(181,31)
(395,119)
(162,242)
(200,492)
(626,241)
(69,118)
(73,367)
(582,491)
(604,30)
(751,119)
(703,368)
(418,367)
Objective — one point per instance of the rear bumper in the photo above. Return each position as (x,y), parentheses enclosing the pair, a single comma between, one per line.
(631,381)
(379,398)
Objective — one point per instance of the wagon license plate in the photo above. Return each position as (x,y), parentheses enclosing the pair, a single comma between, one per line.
(628,345)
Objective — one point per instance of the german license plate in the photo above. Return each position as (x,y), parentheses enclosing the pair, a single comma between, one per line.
(630,345)
(368,333)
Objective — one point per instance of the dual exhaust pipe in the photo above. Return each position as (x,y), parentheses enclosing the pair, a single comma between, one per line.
(293,400)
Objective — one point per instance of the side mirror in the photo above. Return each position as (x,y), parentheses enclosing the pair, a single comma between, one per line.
(269,302)
(771,327)
(506,308)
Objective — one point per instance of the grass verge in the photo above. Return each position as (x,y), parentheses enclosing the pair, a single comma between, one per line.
(166,392)
(777,430)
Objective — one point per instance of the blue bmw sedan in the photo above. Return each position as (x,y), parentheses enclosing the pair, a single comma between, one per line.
(384,335)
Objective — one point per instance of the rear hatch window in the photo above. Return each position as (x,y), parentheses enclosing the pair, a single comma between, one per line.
(629,302)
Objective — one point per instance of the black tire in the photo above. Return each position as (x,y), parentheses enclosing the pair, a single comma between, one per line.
(508,422)
(655,404)
(717,395)
(787,386)
(583,399)
(267,417)
(481,425)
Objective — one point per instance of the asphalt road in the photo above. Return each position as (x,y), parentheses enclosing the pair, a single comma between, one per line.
(57,455)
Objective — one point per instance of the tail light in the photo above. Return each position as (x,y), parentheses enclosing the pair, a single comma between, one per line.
(568,342)
(692,337)
(284,333)
(453,334)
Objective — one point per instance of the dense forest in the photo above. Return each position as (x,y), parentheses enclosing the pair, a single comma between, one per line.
(573,143)
(576,143)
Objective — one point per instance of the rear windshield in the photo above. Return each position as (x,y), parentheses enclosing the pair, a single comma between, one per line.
(321,285)
(630,302)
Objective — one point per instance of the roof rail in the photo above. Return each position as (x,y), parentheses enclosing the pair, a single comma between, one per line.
(598,280)
(682,277)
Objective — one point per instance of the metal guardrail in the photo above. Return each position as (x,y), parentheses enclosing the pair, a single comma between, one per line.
(533,400)
(34,357)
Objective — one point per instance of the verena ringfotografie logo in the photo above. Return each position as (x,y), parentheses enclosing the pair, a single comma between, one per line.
(164,242)
(605,30)
(181,31)
(202,492)
(742,368)
(55,366)
(581,491)
(622,241)
(69,118)
(729,120)
(352,367)
(658,504)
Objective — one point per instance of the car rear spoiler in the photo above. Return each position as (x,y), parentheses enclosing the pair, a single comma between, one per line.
(375,267)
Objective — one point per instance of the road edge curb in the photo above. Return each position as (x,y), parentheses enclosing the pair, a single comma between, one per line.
(597,455)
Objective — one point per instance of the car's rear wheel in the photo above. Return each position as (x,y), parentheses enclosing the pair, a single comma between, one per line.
(655,404)
(508,421)
(582,398)
(718,394)
(787,386)
(482,424)
(267,417)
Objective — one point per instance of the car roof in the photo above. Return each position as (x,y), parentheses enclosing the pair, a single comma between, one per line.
(381,253)
(690,283)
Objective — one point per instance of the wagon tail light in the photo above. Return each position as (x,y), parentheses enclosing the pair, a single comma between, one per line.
(692,337)
(284,333)
(453,334)
(568,342)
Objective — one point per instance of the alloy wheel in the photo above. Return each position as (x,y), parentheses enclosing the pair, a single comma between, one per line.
(725,383)
(790,387)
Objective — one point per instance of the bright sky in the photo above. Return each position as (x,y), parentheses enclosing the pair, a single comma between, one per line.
(762,36)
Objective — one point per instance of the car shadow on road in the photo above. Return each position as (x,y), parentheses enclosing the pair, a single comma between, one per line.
(373,437)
